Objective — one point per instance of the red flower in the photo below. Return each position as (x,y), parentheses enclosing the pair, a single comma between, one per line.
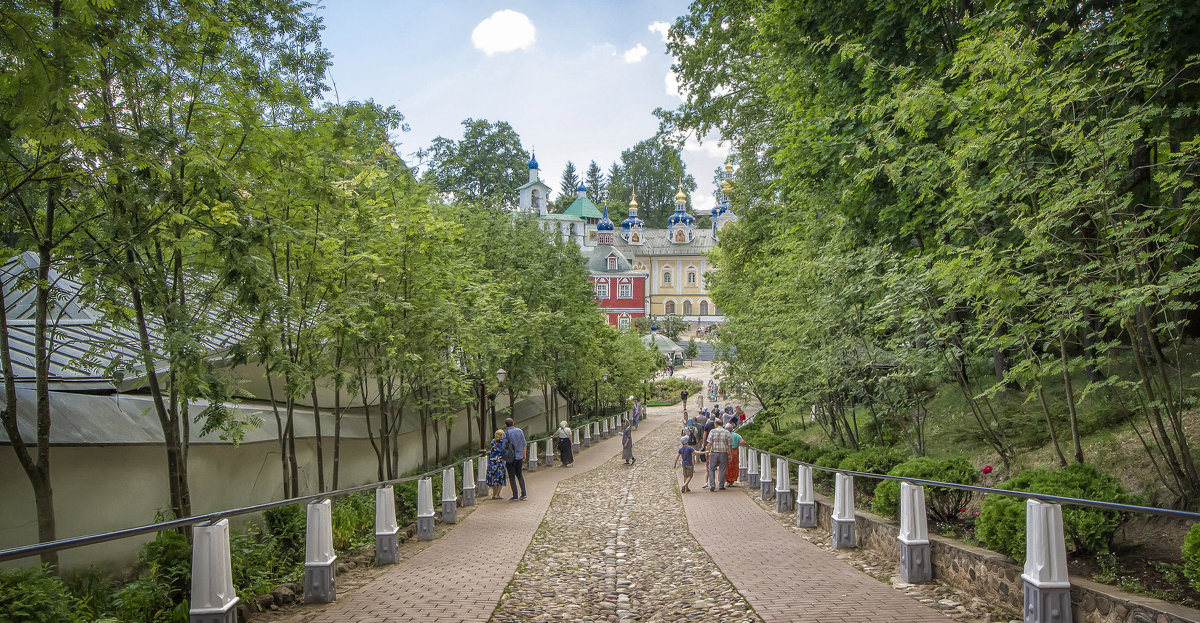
(987,469)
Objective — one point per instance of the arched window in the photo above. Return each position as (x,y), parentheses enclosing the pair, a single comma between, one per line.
(612,263)
(687,308)
(703,308)
(670,307)
(666,277)
(691,277)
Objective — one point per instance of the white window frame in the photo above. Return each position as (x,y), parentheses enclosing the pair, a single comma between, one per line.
(601,290)
(611,263)
(624,290)
(666,278)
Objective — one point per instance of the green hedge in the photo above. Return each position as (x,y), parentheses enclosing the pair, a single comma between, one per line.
(35,596)
(1191,556)
(942,504)
(873,460)
(1001,523)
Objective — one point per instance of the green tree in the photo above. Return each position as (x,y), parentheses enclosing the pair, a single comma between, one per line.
(486,165)
(567,187)
(596,184)
(657,171)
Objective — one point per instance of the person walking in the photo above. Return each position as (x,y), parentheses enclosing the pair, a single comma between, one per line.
(718,457)
(495,469)
(731,470)
(627,445)
(514,454)
(685,453)
(563,437)
(637,412)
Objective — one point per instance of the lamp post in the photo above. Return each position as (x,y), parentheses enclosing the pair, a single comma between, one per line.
(501,375)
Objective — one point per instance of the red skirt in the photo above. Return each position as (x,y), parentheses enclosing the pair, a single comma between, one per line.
(731,472)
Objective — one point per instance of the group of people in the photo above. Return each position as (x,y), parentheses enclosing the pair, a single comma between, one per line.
(506,455)
(713,439)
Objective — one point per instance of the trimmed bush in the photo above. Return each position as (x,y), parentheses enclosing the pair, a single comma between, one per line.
(942,504)
(36,596)
(828,457)
(874,460)
(1001,523)
(1191,556)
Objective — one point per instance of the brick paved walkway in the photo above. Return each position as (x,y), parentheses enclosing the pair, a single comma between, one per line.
(783,576)
(461,576)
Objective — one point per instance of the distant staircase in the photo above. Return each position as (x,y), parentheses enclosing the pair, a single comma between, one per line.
(707,352)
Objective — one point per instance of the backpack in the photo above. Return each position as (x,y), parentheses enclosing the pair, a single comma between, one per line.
(692,436)
(509,451)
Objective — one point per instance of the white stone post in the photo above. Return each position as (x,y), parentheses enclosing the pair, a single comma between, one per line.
(531,451)
(320,577)
(752,468)
(743,469)
(214,599)
(550,452)
(587,435)
(449,497)
(425,509)
(1047,587)
(783,486)
(468,483)
(915,567)
(387,531)
(766,483)
(806,506)
(612,426)
(481,476)
(602,426)
(575,440)
(843,512)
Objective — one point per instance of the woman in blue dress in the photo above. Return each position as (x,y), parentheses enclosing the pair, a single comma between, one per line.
(495,471)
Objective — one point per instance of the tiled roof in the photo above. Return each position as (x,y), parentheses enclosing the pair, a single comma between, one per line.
(658,243)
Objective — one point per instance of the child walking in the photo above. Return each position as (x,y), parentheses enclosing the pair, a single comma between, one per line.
(685,453)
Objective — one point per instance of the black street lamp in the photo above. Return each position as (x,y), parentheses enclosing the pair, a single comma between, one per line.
(501,375)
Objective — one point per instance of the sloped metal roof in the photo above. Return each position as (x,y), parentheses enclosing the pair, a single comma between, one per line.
(87,353)
(658,243)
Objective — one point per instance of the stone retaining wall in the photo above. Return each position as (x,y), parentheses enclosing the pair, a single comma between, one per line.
(997,579)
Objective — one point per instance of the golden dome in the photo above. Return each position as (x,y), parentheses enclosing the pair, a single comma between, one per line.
(729,164)
(726,186)
(633,200)
(680,197)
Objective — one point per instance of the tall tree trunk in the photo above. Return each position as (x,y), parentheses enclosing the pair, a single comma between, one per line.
(337,430)
(37,470)
(1070,390)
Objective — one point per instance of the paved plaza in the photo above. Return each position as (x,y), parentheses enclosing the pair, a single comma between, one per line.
(606,541)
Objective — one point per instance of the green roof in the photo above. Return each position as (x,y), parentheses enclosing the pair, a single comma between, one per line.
(533,183)
(561,217)
(583,207)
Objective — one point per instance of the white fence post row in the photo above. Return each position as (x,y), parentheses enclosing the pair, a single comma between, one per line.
(752,468)
(320,574)
(387,531)
(743,469)
(843,513)
(783,486)
(575,440)
(766,483)
(449,497)
(587,434)
(550,452)
(915,566)
(1047,586)
(468,483)
(425,509)
(806,506)
(531,450)
(213,598)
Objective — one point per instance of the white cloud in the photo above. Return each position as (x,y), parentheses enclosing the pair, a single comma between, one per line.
(711,148)
(504,31)
(661,28)
(702,203)
(672,83)
(635,54)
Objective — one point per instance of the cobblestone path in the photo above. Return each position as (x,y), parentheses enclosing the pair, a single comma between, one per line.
(615,546)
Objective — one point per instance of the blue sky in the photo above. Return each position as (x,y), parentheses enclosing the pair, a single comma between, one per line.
(569,76)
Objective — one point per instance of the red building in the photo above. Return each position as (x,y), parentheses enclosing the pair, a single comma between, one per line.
(617,287)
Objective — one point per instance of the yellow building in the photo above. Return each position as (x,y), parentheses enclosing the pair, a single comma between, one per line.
(676,258)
